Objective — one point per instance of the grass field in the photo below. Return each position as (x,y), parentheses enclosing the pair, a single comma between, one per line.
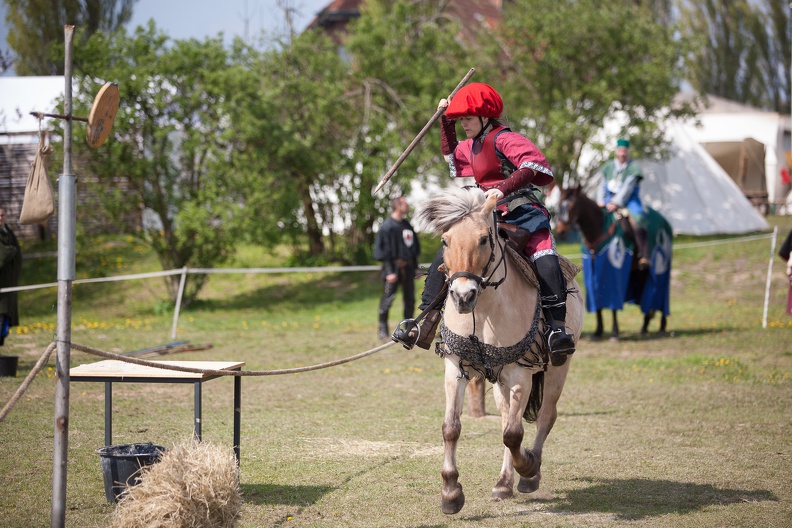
(690,430)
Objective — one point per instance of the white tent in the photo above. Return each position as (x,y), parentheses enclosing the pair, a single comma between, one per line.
(694,193)
(729,121)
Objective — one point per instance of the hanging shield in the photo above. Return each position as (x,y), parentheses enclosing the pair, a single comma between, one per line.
(102,116)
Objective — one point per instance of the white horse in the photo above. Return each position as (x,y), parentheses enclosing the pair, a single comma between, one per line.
(492,328)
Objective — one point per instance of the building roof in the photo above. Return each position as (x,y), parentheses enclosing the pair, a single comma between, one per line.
(473,16)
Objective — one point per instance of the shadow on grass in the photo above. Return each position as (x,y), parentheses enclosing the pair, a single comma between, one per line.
(633,499)
(300,294)
(274,494)
(653,335)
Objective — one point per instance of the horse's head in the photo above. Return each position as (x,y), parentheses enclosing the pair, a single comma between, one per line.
(567,211)
(467,225)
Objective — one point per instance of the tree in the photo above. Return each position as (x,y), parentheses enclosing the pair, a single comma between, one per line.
(35,28)
(406,56)
(169,146)
(291,142)
(742,51)
(340,120)
(568,67)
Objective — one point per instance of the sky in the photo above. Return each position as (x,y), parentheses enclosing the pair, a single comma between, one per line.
(182,19)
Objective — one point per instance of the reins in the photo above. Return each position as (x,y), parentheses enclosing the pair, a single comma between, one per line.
(479,279)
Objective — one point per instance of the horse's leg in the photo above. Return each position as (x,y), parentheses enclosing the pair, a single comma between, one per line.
(452,497)
(504,488)
(663,322)
(646,320)
(554,380)
(615,333)
(515,386)
(600,327)
(475,394)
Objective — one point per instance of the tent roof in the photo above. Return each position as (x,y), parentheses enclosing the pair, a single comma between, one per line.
(695,194)
(22,95)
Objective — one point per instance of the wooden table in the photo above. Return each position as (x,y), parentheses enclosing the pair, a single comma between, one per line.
(112,371)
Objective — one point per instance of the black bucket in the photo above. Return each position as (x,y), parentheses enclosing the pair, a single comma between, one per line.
(8,365)
(121,465)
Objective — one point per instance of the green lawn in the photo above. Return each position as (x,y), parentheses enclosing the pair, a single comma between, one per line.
(688,430)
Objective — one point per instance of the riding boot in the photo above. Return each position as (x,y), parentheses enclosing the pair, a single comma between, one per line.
(408,332)
(553,293)
(383,333)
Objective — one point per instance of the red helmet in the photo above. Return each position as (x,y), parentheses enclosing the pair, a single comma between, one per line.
(475,99)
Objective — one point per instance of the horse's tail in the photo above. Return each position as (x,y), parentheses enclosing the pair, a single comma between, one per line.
(535,400)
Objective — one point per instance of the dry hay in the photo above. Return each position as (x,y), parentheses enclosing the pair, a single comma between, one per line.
(194,485)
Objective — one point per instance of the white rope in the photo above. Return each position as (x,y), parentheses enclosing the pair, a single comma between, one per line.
(328,269)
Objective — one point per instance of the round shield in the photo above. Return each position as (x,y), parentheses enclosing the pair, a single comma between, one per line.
(103,113)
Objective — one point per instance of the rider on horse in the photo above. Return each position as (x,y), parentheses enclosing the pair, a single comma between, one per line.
(619,188)
(507,164)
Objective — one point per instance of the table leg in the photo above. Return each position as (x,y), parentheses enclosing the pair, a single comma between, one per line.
(198,410)
(108,413)
(237,413)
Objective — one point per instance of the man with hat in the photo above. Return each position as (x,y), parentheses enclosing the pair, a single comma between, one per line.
(620,183)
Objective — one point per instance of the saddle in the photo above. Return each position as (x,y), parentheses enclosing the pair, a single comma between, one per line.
(516,239)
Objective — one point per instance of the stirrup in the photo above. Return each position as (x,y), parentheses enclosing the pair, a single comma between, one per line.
(560,344)
(407,333)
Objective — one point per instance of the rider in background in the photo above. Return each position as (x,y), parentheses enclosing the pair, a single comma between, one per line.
(619,187)
(509,166)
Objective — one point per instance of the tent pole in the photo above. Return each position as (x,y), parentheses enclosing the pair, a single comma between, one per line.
(67,207)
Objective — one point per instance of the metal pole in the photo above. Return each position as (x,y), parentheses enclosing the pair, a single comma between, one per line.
(178,302)
(769,277)
(67,207)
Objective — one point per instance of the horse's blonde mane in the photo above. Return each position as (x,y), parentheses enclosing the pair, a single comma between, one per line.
(447,207)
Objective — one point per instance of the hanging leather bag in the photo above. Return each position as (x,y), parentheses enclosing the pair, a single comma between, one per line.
(39,202)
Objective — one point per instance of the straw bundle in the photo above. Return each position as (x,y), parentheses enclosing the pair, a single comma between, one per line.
(194,485)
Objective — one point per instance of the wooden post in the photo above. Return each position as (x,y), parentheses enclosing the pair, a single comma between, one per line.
(67,209)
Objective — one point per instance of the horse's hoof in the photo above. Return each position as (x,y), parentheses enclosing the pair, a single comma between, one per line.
(502,493)
(453,502)
(529,485)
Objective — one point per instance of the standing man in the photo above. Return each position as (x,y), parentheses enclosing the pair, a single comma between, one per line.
(10,266)
(619,188)
(398,249)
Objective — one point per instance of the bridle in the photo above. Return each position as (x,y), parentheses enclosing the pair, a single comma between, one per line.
(479,279)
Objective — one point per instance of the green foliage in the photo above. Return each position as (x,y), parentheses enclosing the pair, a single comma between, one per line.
(169,149)
(568,67)
(406,58)
(291,140)
(36,35)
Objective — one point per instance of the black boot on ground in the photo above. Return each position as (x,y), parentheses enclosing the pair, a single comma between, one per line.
(383,333)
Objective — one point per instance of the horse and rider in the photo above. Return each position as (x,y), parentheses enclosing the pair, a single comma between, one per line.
(507,165)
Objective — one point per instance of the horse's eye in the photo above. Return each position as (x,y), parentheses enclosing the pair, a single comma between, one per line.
(483,240)
(445,242)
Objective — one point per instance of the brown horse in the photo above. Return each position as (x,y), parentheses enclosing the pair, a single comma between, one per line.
(492,328)
(647,288)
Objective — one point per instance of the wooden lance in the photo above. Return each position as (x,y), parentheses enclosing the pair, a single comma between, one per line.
(422,133)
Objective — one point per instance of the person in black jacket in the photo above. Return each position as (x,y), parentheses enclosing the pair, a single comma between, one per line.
(398,249)
(10,266)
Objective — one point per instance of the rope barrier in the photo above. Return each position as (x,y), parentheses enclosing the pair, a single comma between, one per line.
(28,380)
(327,269)
(109,355)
